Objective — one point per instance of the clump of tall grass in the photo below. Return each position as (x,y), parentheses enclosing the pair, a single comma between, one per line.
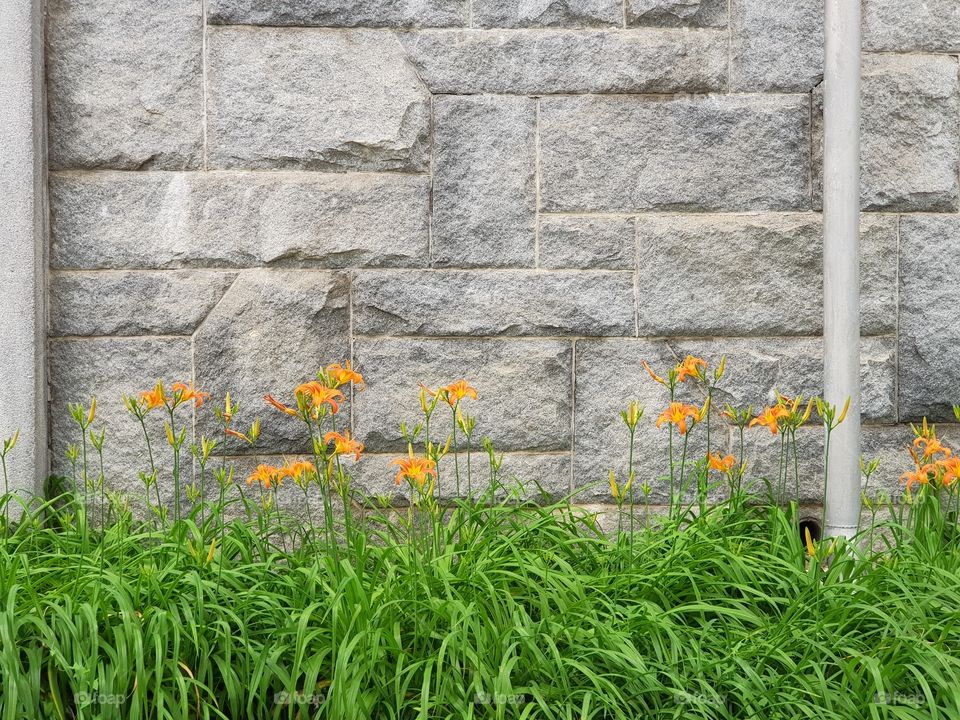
(487,606)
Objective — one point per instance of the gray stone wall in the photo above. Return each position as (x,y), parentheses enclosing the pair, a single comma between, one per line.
(532,194)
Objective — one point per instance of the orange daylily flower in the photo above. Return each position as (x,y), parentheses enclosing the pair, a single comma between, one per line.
(415,469)
(320,395)
(186,393)
(296,471)
(931,446)
(922,472)
(951,470)
(280,406)
(267,476)
(770,417)
(344,444)
(455,392)
(343,374)
(677,414)
(691,367)
(921,475)
(721,464)
(154,398)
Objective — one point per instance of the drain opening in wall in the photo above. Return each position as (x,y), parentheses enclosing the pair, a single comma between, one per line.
(813,525)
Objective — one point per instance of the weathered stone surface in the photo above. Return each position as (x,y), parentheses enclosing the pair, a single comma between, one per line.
(929,332)
(134,303)
(754,274)
(886,444)
(124,84)
(171,220)
(689,153)
(484,195)
(757,368)
(911,25)
(527,476)
(523,387)
(910,129)
(674,13)
(609,374)
(107,368)
(503,302)
(311,99)
(547,13)
(775,46)
(569,61)
(271,331)
(588,243)
(340,13)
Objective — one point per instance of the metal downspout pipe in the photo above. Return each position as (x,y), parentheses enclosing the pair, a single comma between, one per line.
(841,260)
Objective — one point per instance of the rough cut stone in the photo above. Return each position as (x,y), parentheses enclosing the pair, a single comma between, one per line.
(754,274)
(886,444)
(546,13)
(588,243)
(502,302)
(776,46)
(484,194)
(609,374)
(312,99)
(524,476)
(689,153)
(134,303)
(929,331)
(124,84)
(523,387)
(569,61)
(756,368)
(340,13)
(910,129)
(107,368)
(170,220)
(271,331)
(673,13)
(911,25)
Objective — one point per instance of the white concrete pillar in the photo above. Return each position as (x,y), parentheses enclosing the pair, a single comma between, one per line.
(23,241)
(841,259)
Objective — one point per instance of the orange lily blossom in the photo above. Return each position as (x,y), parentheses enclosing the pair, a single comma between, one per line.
(921,475)
(931,446)
(770,417)
(186,393)
(951,470)
(677,414)
(154,398)
(320,395)
(344,444)
(343,374)
(721,464)
(267,476)
(691,367)
(455,392)
(415,469)
(297,470)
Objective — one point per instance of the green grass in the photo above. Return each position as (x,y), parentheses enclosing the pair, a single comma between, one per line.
(501,611)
